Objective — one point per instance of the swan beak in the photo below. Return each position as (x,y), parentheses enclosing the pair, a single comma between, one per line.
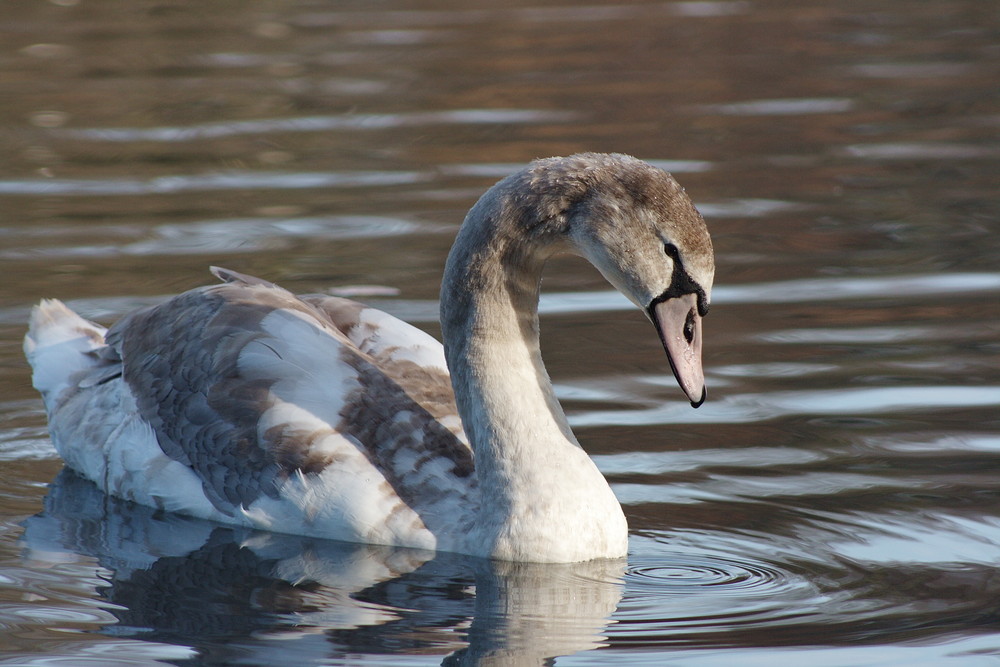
(679,325)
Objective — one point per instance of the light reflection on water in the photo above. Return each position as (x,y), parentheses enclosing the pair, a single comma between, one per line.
(317,124)
(204,237)
(206,183)
(834,502)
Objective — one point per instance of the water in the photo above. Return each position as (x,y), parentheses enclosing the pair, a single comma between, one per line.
(835,502)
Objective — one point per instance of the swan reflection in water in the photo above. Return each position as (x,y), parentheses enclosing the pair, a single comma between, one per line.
(236,595)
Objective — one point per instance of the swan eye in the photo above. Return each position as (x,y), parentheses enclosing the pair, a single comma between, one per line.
(671,251)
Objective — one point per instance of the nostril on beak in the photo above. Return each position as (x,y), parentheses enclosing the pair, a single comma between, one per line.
(689,327)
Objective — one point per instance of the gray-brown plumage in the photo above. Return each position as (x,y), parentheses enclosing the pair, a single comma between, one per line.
(244,403)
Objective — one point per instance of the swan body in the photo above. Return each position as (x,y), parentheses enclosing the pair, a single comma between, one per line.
(243,403)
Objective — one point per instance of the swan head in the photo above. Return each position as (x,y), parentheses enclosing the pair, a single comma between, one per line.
(636,224)
(629,219)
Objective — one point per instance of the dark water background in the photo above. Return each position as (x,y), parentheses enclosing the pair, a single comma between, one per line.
(836,501)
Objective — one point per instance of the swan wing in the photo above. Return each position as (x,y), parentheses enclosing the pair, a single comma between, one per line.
(409,356)
(281,416)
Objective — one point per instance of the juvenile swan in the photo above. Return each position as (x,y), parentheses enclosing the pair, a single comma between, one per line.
(243,403)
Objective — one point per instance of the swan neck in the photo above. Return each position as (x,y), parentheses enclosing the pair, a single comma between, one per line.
(541,498)
(490,328)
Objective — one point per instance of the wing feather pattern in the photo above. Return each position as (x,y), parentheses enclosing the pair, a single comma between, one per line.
(250,386)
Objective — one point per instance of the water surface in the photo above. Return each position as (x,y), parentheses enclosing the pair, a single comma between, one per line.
(835,502)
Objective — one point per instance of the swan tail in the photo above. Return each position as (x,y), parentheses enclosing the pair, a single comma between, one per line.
(59,345)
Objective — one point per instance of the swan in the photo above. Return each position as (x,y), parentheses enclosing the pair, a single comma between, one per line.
(242,403)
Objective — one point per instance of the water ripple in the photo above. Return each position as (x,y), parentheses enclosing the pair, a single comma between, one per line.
(562,15)
(748,208)
(913,70)
(748,407)
(920,151)
(785,107)
(685,574)
(680,596)
(838,289)
(238,235)
(793,291)
(317,124)
(927,539)
(233,180)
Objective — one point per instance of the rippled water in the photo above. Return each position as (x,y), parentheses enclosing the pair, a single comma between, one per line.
(835,502)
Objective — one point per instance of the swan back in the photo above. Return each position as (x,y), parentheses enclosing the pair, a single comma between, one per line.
(299,415)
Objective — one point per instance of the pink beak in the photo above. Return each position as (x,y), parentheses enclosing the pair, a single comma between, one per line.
(679,325)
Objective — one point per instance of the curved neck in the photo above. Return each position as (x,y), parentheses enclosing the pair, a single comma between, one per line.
(541,497)
(489,318)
